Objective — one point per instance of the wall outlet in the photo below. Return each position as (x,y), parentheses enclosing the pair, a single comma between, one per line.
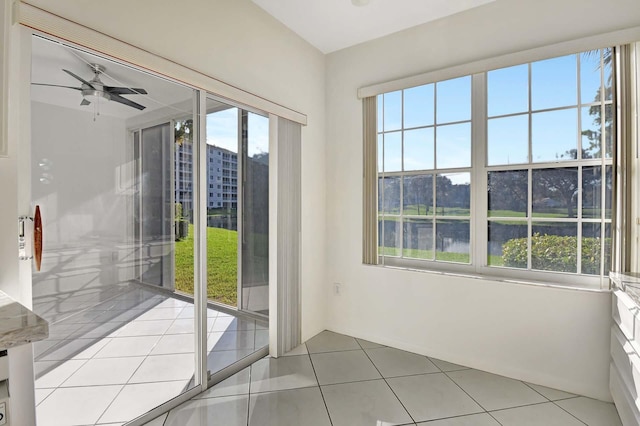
(3,413)
(337,289)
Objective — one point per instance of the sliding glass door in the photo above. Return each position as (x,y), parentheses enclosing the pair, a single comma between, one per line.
(254,283)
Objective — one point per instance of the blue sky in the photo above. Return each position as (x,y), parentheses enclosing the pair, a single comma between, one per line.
(222,131)
(554,84)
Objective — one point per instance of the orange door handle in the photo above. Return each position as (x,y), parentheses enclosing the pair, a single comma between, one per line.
(37,238)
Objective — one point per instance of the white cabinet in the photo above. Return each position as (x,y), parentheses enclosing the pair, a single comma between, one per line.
(624,379)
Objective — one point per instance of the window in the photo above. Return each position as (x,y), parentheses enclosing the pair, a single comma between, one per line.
(507,172)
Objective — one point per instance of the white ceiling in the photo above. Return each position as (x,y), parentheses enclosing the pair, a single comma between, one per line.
(332,25)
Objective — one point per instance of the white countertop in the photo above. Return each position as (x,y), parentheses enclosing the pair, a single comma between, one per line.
(18,324)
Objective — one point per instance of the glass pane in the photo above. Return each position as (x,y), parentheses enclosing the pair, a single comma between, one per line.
(418,238)
(390,236)
(591,192)
(608,81)
(590,76)
(453,146)
(555,192)
(453,100)
(453,194)
(591,132)
(507,245)
(380,114)
(418,149)
(508,140)
(608,193)
(418,195)
(608,131)
(418,106)
(508,90)
(592,248)
(554,247)
(156,186)
(508,193)
(392,152)
(255,213)
(553,83)
(392,108)
(452,241)
(380,153)
(389,195)
(222,203)
(554,135)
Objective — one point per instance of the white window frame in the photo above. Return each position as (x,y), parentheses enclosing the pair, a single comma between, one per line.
(479,169)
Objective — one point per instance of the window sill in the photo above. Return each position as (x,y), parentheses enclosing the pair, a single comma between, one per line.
(593,284)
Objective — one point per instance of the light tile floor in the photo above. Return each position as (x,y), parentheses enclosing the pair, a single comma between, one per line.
(337,380)
(116,352)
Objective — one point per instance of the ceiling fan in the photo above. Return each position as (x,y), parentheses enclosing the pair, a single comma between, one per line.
(94,89)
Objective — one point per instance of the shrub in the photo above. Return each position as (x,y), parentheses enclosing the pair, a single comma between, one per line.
(555,253)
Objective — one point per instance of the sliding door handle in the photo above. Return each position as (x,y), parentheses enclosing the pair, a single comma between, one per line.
(37,238)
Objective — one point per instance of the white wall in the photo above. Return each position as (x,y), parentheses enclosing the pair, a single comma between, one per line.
(79,178)
(554,337)
(240,44)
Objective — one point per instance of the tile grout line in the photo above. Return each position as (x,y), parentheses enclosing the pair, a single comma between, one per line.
(385,381)
(472,398)
(571,414)
(554,402)
(326,407)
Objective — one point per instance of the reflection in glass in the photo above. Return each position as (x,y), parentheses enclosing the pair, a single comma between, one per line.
(392,152)
(453,194)
(453,100)
(507,245)
(553,83)
(508,140)
(554,246)
(255,213)
(590,72)
(555,192)
(389,195)
(554,135)
(418,149)
(591,132)
(508,193)
(608,131)
(392,107)
(453,146)
(508,90)
(591,192)
(380,116)
(380,153)
(592,248)
(418,106)
(607,55)
(608,194)
(452,241)
(418,238)
(389,236)
(418,195)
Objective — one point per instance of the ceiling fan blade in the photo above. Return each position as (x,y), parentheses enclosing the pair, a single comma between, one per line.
(79,78)
(56,85)
(84,102)
(125,101)
(124,90)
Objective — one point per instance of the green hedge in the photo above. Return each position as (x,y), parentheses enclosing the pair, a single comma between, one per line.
(555,253)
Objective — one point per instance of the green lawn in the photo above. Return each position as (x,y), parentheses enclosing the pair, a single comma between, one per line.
(222,265)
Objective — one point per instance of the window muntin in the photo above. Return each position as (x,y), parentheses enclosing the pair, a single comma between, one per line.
(546,157)
(424,197)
